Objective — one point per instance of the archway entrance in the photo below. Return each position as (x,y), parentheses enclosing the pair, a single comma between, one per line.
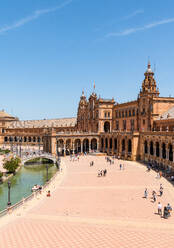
(157,149)
(151,148)
(77,146)
(94,144)
(145,147)
(129,146)
(110,143)
(164,150)
(86,145)
(107,127)
(115,144)
(123,145)
(60,147)
(68,147)
(170,152)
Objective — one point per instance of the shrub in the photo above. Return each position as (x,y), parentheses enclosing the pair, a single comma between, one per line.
(12,164)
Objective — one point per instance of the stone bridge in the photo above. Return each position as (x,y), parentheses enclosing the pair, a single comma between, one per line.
(49,156)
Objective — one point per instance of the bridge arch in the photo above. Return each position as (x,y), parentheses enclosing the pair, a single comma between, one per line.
(47,156)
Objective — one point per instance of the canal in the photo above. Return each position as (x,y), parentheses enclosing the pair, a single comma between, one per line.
(23,181)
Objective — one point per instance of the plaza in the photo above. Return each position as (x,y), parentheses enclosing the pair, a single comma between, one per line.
(85,210)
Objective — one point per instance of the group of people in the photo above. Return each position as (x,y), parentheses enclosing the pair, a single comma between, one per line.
(166,212)
(167,209)
(102,173)
(75,157)
(109,160)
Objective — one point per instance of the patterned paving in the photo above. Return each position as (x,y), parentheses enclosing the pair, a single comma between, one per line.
(89,211)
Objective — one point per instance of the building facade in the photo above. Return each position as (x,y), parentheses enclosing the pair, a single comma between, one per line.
(142,129)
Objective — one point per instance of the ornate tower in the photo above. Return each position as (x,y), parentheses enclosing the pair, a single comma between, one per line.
(149,84)
(148,92)
(82,113)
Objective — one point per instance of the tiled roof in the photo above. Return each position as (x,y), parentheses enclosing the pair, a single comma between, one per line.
(63,122)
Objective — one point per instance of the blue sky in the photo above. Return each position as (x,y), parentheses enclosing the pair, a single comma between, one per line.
(53,49)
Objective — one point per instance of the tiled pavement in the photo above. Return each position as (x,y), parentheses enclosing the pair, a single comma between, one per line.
(86,211)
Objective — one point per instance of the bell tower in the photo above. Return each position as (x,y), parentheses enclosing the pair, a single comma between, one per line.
(147,93)
(149,84)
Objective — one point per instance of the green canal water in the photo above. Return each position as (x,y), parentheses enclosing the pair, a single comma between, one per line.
(23,181)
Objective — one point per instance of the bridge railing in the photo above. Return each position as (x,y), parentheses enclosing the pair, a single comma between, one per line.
(32,156)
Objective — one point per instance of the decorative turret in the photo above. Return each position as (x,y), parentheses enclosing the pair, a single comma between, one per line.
(83,99)
(149,83)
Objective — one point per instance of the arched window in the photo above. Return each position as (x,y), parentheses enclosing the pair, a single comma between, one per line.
(107,127)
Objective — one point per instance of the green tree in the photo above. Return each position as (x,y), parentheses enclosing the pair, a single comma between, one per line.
(12,164)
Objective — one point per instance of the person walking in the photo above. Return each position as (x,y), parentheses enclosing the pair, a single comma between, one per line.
(169,208)
(159,208)
(165,213)
(154,195)
(161,190)
(120,166)
(104,172)
(145,193)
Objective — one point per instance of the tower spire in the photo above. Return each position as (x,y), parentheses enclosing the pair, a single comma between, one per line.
(94,87)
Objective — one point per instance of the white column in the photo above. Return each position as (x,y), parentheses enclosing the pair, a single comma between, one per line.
(73,147)
(89,145)
(81,146)
(64,149)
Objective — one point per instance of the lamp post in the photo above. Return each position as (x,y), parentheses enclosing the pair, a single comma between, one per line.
(47,171)
(9,186)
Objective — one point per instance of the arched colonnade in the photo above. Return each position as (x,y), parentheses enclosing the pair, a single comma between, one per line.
(67,146)
(120,146)
(158,150)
